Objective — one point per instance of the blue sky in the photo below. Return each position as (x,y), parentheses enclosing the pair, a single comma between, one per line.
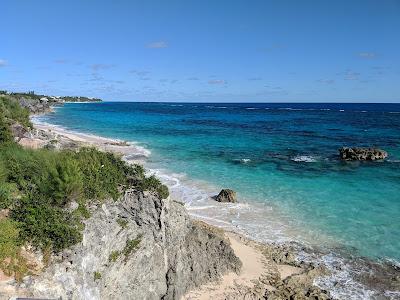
(214,51)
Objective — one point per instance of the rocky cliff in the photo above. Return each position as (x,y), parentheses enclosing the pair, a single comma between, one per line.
(140,247)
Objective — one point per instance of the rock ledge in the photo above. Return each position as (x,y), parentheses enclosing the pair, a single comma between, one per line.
(356,153)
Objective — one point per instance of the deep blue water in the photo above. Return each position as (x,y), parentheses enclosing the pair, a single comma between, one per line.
(282,156)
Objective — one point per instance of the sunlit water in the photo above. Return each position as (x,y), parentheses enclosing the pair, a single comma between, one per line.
(280,158)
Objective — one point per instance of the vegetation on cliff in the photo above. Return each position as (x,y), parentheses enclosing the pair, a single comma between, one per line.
(45,194)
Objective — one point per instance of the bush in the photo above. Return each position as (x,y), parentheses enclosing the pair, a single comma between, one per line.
(13,111)
(153,184)
(11,261)
(96,275)
(131,246)
(103,173)
(113,256)
(44,225)
(5,133)
(122,222)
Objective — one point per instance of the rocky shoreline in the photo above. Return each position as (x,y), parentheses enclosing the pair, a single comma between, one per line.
(175,256)
(143,243)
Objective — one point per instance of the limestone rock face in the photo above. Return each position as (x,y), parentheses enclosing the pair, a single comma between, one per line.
(18,131)
(172,254)
(226,195)
(362,153)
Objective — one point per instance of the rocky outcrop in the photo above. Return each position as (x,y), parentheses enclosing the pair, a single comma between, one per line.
(141,247)
(362,153)
(35,106)
(226,195)
(18,131)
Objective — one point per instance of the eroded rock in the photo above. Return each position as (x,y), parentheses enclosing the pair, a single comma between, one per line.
(226,195)
(357,153)
(172,254)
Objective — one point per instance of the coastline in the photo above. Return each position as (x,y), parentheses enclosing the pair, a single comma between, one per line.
(265,267)
(302,257)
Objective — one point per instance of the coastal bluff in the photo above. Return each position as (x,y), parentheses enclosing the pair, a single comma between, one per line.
(172,254)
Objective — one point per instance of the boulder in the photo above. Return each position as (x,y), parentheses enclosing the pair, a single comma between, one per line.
(226,195)
(356,153)
(18,131)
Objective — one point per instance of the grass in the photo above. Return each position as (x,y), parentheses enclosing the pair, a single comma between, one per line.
(96,275)
(114,256)
(122,222)
(131,246)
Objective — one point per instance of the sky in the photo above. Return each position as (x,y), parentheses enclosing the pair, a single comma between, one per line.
(203,51)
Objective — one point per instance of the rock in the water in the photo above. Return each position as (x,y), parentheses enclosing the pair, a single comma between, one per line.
(226,195)
(356,153)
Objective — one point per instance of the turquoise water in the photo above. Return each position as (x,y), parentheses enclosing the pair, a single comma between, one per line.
(280,157)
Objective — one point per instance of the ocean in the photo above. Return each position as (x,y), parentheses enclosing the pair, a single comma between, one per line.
(281,159)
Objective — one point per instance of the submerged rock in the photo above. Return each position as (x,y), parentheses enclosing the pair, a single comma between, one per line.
(226,195)
(159,253)
(356,153)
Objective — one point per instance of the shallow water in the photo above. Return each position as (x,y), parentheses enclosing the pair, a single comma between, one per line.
(280,158)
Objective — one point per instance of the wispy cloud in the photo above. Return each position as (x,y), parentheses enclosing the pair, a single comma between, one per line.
(61,61)
(326,81)
(255,78)
(139,72)
(157,45)
(351,75)
(217,81)
(95,77)
(98,67)
(3,63)
(193,78)
(368,55)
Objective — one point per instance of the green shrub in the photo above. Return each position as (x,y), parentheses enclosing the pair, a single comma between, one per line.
(5,133)
(6,191)
(96,275)
(102,172)
(153,184)
(64,181)
(131,246)
(13,111)
(12,263)
(45,225)
(114,256)
(122,222)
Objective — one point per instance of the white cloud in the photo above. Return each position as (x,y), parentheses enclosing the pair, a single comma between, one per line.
(217,81)
(3,63)
(98,67)
(326,81)
(367,55)
(351,75)
(157,45)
